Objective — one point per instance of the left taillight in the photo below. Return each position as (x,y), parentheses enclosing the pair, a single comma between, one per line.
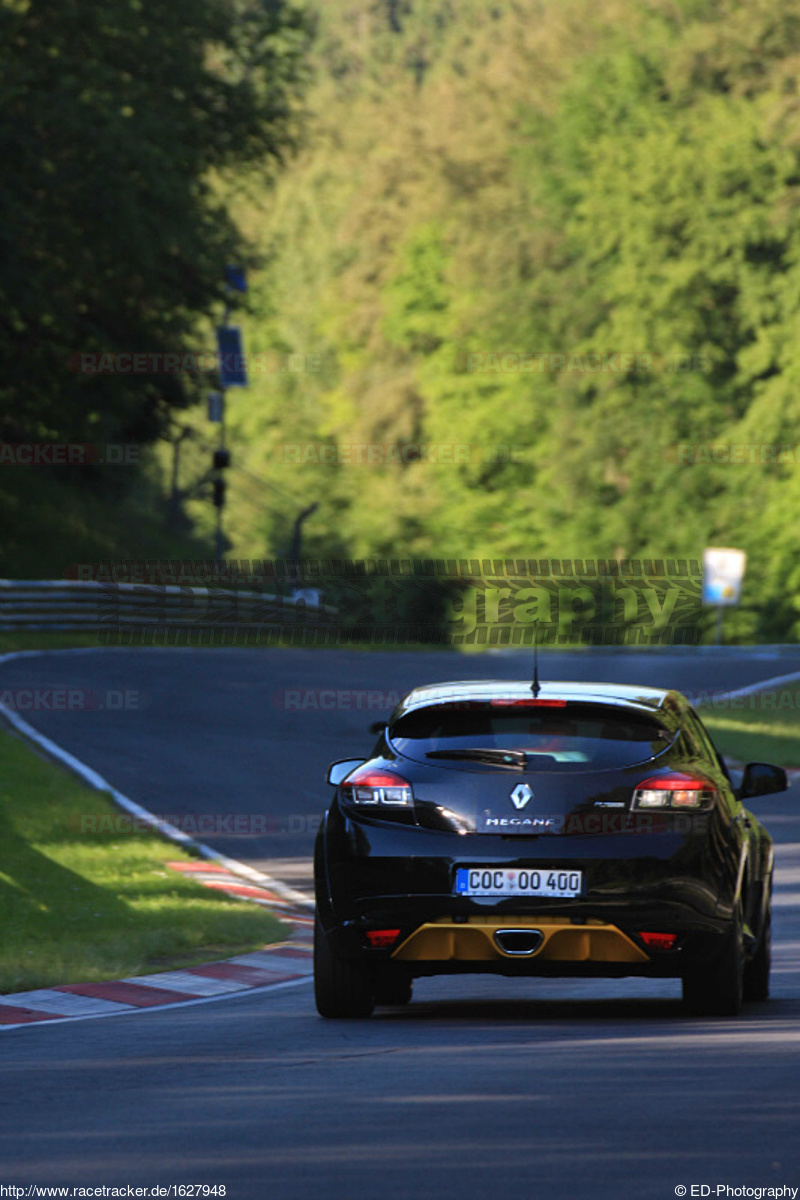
(674,790)
(369,785)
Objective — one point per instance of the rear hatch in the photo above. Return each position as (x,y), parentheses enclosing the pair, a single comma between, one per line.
(529,766)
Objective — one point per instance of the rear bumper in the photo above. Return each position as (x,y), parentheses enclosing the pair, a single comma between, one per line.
(371,875)
(570,946)
(514,943)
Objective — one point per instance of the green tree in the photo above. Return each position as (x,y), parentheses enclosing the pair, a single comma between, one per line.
(116,117)
(567,182)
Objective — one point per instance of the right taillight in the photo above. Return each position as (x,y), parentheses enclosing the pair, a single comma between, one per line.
(674,790)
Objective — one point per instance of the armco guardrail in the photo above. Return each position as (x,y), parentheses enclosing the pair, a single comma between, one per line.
(39,604)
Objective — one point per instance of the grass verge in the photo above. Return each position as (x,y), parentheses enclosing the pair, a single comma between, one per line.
(209,638)
(762,727)
(78,907)
(20,639)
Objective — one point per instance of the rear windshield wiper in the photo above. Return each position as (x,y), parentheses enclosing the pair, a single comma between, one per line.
(514,760)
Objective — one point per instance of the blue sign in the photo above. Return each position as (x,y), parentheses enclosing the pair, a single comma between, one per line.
(231,362)
(235,278)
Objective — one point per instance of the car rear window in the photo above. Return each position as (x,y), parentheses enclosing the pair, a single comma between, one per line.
(573,737)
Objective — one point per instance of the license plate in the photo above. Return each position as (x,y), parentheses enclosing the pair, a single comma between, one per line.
(505,881)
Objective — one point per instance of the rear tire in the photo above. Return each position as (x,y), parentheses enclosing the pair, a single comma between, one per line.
(756,971)
(393,988)
(716,988)
(342,988)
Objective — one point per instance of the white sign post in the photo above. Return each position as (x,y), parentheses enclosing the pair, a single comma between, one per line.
(723,572)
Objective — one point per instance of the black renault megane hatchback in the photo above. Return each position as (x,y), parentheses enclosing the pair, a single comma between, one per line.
(562,830)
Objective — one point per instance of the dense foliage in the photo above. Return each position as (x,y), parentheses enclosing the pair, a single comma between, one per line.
(561,233)
(116,119)
(529,287)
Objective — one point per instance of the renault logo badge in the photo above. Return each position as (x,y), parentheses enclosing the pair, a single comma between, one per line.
(521,795)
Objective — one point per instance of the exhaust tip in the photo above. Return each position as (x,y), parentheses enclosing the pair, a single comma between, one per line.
(518,941)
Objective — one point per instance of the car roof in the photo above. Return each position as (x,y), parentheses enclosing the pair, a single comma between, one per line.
(631,696)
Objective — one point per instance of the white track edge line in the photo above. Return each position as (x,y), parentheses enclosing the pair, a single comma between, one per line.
(752,688)
(95,780)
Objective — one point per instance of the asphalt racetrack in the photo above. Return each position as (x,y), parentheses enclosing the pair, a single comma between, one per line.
(209,736)
(566,1089)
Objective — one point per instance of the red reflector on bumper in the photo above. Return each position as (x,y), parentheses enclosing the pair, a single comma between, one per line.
(659,941)
(382,937)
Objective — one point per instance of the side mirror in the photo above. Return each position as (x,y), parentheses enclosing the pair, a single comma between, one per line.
(340,770)
(762,779)
(377,727)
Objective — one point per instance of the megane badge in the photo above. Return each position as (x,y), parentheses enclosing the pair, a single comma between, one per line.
(521,795)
